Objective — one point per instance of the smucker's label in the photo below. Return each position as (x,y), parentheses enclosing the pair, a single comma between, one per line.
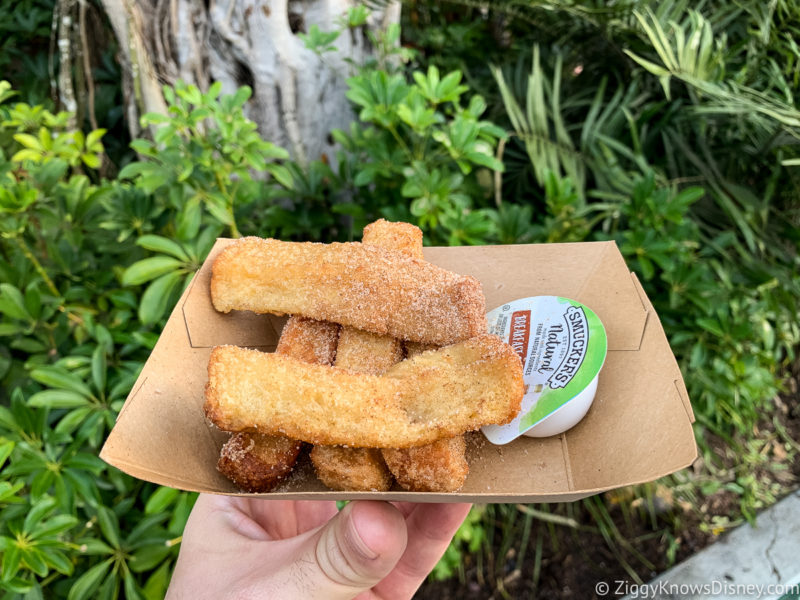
(562,345)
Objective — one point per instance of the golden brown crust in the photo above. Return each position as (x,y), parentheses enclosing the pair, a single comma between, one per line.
(437,394)
(363,469)
(358,469)
(351,469)
(257,463)
(309,340)
(437,467)
(367,352)
(403,237)
(414,348)
(359,285)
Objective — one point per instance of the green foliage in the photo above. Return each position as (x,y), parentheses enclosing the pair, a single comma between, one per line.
(203,157)
(24,38)
(670,128)
(540,124)
(469,538)
(418,146)
(72,347)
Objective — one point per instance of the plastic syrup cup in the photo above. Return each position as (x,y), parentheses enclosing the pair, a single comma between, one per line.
(563,346)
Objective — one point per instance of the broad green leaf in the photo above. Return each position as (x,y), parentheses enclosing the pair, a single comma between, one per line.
(72,420)
(220,211)
(156,243)
(11,561)
(6,447)
(29,345)
(109,525)
(57,378)
(18,585)
(156,297)
(34,560)
(29,141)
(181,512)
(109,589)
(149,268)
(42,482)
(33,301)
(99,367)
(26,154)
(147,557)
(131,589)
(91,160)
(53,526)
(189,219)
(93,547)
(85,485)
(86,462)
(281,174)
(159,500)
(8,490)
(58,399)
(58,561)
(12,303)
(94,137)
(155,588)
(37,513)
(8,420)
(84,587)
(11,329)
(134,169)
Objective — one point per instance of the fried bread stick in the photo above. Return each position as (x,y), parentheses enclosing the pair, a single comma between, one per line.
(438,467)
(435,395)
(441,466)
(360,469)
(358,285)
(255,462)
(403,237)
(351,469)
(364,469)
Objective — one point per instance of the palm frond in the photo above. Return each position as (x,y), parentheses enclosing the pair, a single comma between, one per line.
(540,124)
(690,52)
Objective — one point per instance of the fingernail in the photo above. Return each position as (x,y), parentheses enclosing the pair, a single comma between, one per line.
(353,536)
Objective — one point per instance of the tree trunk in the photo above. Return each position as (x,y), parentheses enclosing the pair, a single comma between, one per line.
(298,96)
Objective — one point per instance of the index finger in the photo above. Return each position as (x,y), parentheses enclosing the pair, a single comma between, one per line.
(431,528)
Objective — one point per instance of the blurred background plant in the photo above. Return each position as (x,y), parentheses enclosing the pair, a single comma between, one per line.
(668,127)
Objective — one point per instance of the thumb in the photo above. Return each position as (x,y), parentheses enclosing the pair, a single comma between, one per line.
(354,550)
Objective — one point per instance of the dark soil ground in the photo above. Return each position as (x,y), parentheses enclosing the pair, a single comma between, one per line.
(652,533)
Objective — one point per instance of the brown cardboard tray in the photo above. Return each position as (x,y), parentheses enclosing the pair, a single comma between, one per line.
(638,429)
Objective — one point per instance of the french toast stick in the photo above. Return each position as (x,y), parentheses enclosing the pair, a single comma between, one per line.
(357,285)
(256,462)
(364,469)
(437,394)
(437,467)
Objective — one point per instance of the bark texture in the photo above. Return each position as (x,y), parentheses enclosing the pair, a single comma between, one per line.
(298,97)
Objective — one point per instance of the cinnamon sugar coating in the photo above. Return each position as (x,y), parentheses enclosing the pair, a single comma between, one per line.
(437,394)
(359,285)
(257,463)
(438,467)
(351,469)
(363,469)
(309,340)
